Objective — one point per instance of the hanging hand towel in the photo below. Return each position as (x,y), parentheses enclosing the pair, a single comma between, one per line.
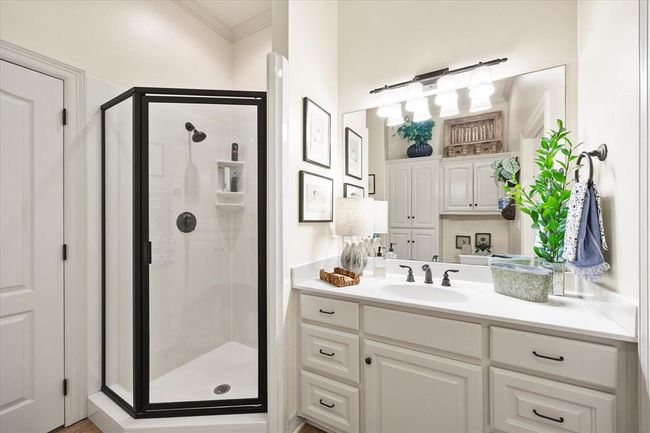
(584,238)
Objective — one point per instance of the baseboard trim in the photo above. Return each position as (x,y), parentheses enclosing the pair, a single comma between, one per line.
(295,423)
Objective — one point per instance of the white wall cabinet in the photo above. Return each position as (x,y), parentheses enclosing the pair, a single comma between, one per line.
(468,185)
(415,244)
(404,389)
(413,194)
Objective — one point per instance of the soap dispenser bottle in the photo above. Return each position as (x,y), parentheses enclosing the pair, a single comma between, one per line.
(391,253)
(379,270)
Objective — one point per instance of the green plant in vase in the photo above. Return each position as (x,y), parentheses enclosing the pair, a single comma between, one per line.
(545,200)
(418,134)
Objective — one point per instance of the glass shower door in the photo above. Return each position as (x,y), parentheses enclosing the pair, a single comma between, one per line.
(206,294)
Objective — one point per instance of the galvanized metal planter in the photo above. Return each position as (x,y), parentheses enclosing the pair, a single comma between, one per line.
(529,283)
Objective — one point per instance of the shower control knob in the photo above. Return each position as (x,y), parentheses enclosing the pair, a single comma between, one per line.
(368,360)
(186,222)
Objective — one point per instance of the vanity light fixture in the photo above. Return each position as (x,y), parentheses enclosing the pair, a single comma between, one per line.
(414,99)
(395,118)
(422,115)
(480,89)
(447,98)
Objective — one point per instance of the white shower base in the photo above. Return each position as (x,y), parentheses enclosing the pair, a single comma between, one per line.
(232,363)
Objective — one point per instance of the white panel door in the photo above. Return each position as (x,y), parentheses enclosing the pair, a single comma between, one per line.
(414,392)
(424,195)
(486,192)
(402,239)
(457,179)
(424,244)
(399,201)
(31,266)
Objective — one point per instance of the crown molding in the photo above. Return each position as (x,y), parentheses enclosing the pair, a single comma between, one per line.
(250,26)
(202,14)
(231,35)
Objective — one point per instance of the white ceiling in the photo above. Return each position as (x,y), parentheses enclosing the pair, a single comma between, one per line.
(231,19)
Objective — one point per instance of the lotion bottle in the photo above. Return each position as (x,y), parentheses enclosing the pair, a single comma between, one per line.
(379,270)
(391,253)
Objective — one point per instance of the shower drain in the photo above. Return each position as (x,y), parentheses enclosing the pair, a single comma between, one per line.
(222,389)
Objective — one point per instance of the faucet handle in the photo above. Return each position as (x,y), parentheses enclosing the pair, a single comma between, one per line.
(425,267)
(409,277)
(406,267)
(450,270)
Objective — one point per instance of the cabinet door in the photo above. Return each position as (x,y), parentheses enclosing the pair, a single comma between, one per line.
(424,195)
(402,239)
(410,391)
(457,179)
(486,192)
(424,244)
(399,200)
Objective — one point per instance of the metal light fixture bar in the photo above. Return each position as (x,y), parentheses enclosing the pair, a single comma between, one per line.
(434,75)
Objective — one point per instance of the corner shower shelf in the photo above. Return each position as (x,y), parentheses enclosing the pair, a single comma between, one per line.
(230,199)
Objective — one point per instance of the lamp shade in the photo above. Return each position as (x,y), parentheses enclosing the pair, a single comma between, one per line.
(354,217)
(380,220)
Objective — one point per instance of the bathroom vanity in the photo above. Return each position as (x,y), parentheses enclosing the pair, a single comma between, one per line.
(391,356)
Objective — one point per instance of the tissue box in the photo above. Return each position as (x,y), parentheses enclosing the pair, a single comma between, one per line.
(524,282)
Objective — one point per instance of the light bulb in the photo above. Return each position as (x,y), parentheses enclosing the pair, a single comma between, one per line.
(481,82)
(395,119)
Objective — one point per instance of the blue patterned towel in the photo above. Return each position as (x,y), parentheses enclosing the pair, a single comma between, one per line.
(584,238)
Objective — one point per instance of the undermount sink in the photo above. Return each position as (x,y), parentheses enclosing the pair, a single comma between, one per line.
(427,292)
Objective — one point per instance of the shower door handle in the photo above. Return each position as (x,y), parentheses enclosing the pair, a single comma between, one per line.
(147,252)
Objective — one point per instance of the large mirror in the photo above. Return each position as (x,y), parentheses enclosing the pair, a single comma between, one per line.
(446,200)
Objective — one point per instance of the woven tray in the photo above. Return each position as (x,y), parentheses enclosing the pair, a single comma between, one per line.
(340,277)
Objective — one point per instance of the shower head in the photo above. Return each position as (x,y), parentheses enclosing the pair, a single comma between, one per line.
(197,136)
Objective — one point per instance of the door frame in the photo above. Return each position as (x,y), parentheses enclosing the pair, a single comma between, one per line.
(74,219)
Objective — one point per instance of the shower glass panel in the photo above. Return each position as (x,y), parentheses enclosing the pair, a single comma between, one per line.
(203,227)
(184,251)
(118,251)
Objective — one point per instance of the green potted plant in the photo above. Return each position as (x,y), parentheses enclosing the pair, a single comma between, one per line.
(545,200)
(506,171)
(419,134)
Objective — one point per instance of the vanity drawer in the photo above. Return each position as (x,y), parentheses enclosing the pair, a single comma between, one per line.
(330,351)
(329,402)
(330,311)
(563,357)
(522,403)
(443,334)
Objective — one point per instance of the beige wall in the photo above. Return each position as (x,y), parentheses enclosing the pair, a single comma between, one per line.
(312,72)
(608,112)
(249,60)
(390,41)
(453,225)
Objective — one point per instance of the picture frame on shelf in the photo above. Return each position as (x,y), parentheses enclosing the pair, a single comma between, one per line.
(351,190)
(317,134)
(371,184)
(316,201)
(483,239)
(462,240)
(353,154)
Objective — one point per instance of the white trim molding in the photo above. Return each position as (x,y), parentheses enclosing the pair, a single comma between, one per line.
(644,219)
(74,218)
(230,34)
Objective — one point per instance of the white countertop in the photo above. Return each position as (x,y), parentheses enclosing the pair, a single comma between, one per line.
(561,313)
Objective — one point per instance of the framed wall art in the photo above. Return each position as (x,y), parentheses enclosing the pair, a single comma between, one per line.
(350,190)
(317,136)
(371,184)
(316,198)
(353,154)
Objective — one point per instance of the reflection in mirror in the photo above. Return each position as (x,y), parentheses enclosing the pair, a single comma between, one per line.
(443,177)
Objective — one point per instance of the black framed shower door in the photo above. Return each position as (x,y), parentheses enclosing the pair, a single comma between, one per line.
(141,99)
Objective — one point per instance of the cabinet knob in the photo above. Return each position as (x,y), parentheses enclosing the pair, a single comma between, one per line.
(470,205)
(408,241)
(368,360)
(412,241)
(412,216)
(408,217)
(475,204)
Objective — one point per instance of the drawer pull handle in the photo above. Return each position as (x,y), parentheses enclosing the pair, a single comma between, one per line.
(329,406)
(550,418)
(552,358)
(325,353)
(325,311)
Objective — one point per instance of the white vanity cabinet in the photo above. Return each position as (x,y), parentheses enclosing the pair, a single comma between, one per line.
(415,244)
(387,369)
(468,185)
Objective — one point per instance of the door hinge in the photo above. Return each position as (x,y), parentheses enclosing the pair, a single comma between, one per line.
(64,116)
(65,251)
(65,387)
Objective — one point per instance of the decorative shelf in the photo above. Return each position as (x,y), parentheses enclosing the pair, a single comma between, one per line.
(233,164)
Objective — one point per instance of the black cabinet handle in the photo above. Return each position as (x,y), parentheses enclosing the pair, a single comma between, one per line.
(325,311)
(408,217)
(326,405)
(470,205)
(475,204)
(550,418)
(552,358)
(368,360)
(412,216)
(325,353)
(412,242)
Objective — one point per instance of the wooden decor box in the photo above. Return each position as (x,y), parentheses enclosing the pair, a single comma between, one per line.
(473,135)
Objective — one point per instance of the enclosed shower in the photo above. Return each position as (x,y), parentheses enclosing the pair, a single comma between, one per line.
(184,251)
